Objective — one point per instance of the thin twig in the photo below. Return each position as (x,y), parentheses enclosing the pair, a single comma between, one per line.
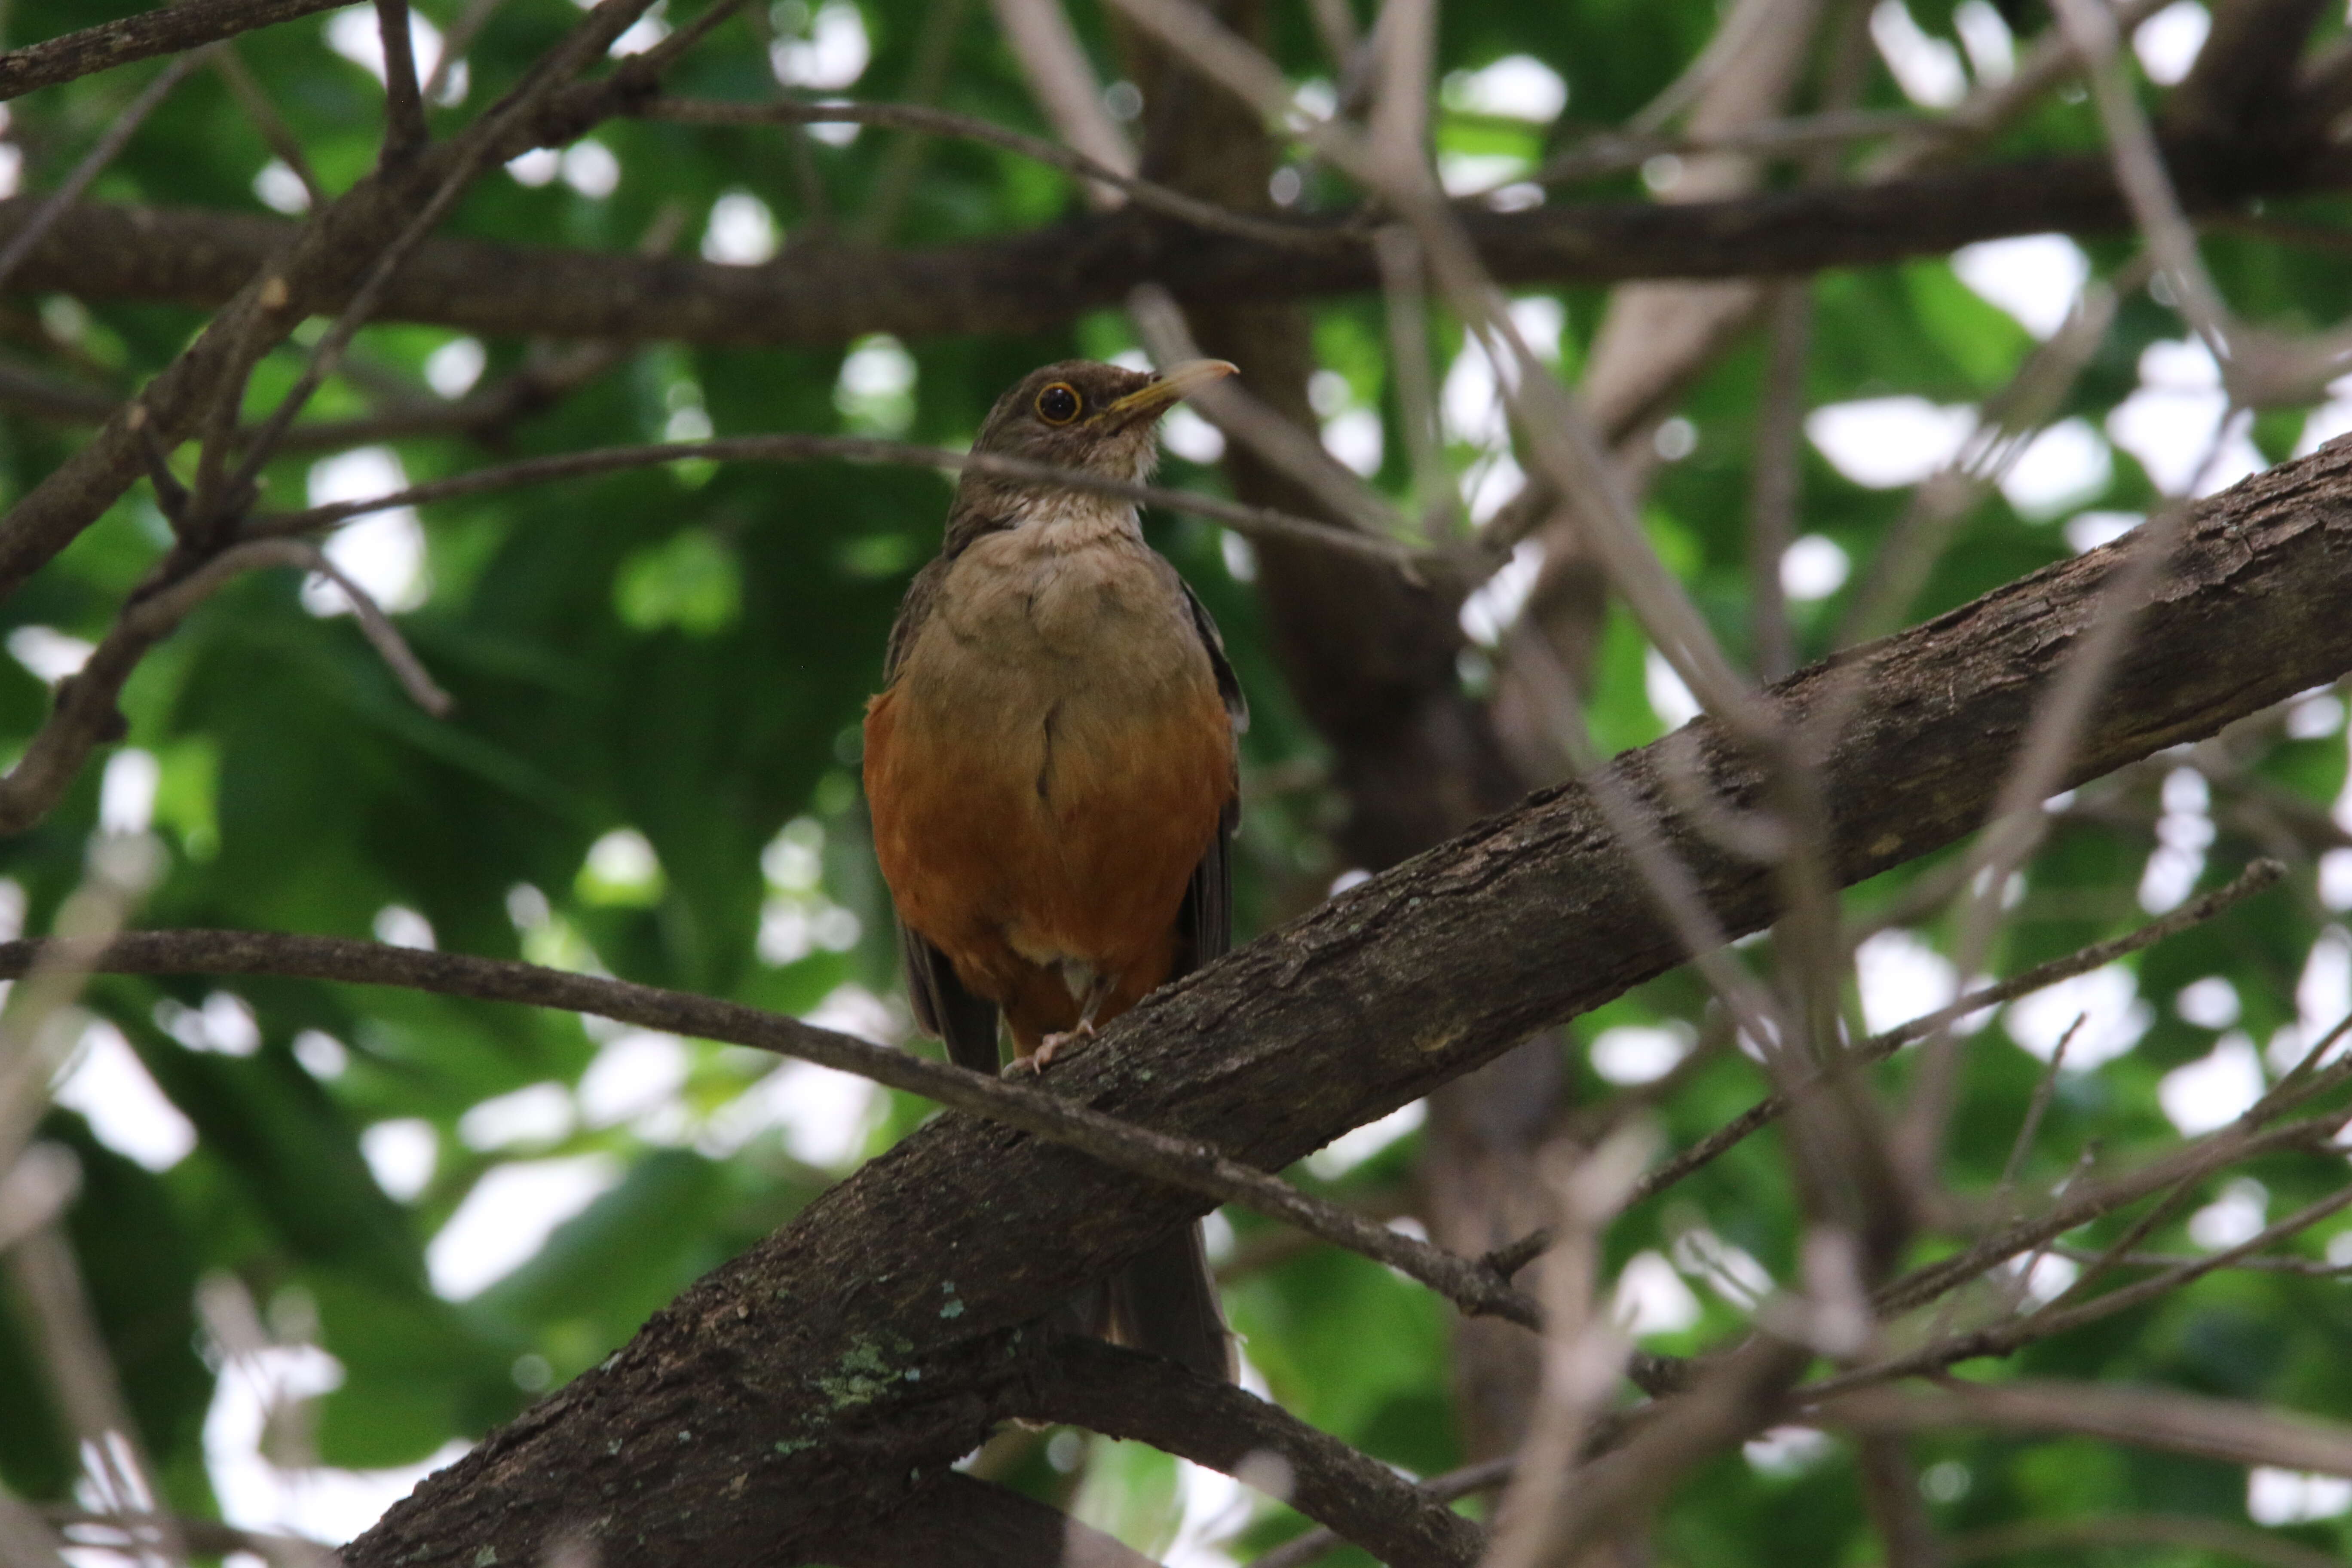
(1249,419)
(456,42)
(1777,474)
(404,104)
(381,634)
(1177,1162)
(2307,1268)
(1405,293)
(470,155)
(255,99)
(2068,1537)
(93,163)
(2048,61)
(1584,1351)
(160,30)
(1259,523)
(2223,1430)
(970,127)
(1300,1550)
(1062,79)
(2261,873)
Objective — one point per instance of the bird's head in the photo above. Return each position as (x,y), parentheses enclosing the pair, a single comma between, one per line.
(1079,413)
(1082,413)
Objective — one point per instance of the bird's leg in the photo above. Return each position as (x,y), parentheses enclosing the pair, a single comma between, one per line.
(1096,993)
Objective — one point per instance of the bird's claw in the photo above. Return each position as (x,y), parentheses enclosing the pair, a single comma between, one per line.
(1050,1046)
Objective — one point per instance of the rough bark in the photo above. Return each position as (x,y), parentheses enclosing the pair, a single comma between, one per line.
(820,294)
(800,1392)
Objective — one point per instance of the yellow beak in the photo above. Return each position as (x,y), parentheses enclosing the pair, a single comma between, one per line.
(1172,386)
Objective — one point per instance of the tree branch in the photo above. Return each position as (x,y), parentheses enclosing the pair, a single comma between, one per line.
(1030,1107)
(330,257)
(1123,1395)
(166,30)
(2175,1423)
(823,295)
(954,1521)
(2261,873)
(875,1335)
(1257,522)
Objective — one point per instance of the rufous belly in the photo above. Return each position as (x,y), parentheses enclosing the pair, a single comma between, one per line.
(1040,804)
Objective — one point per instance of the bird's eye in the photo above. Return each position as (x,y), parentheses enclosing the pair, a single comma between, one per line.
(1058,403)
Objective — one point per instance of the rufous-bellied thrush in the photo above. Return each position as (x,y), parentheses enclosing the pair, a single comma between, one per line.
(1051,771)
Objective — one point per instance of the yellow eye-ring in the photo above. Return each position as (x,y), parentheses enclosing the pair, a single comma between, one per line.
(1058,403)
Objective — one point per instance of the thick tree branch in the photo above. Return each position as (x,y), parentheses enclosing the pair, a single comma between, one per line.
(1122,1394)
(822,295)
(870,1340)
(875,1334)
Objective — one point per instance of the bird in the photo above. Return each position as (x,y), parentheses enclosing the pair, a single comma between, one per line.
(1051,771)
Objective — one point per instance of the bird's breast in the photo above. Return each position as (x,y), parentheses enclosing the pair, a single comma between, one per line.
(1053,756)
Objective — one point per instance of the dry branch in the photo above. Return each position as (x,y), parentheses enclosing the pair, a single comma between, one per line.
(1123,1395)
(825,295)
(166,30)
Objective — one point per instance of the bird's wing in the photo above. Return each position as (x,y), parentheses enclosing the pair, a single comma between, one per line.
(966,1022)
(1206,924)
(1229,686)
(914,610)
(942,1006)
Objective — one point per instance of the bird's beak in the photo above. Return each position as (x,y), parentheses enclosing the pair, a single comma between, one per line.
(1170,387)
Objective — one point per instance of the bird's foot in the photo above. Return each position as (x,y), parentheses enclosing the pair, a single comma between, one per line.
(1050,1046)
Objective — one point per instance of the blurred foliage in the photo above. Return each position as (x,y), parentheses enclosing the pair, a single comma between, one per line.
(651,770)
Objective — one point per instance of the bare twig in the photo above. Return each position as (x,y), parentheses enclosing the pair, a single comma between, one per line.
(1584,1351)
(1890,1491)
(1252,521)
(381,634)
(1320,1541)
(470,155)
(1777,474)
(266,119)
(1062,79)
(2261,873)
(970,127)
(2050,60)
(102,152)
(456,42)
(2307,1267)
(1150,1399)
(404,104)
(206,1537)
(2066,1536)
(2005,428)
(69,1349)
(1301,1549)
(84,715)
(1180,1163)
(1406,294)
(163,30)
(2175,1423)
(1245,417)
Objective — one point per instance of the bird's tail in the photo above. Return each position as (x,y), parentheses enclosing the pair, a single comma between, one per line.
(1165,1303)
